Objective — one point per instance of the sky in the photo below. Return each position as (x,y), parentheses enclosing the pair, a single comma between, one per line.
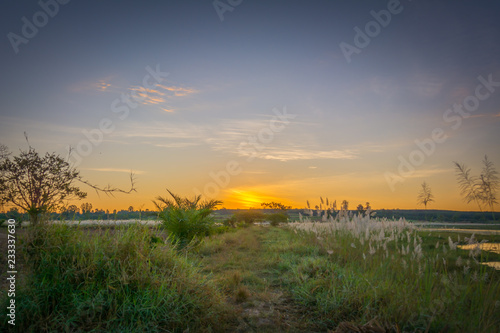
(256,101)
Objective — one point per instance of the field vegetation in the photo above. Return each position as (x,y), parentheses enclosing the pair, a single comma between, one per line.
(346,272)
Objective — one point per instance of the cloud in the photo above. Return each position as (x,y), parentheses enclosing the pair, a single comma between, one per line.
(175,144)
(160,95)
(178,91)
(232,137)
(425,85)
(100,85)
(284,155)
(422,173)
(137,172)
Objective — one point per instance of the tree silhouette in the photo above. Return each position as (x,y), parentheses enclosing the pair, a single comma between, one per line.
(37,184)
(86,207)
(42,184)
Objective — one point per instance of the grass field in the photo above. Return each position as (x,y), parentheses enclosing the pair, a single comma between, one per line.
(304,277)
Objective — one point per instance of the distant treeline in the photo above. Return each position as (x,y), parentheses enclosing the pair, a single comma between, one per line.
(434,215)
(430,215)
(93,215)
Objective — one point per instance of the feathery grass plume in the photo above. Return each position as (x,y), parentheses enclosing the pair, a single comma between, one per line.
(469,186)
(425,195)
(452,245)
(490,183)
(415,263)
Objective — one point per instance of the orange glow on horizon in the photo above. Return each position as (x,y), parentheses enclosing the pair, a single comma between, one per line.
(242,198)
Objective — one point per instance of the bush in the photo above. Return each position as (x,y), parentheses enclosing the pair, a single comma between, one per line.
(230,222)
(186,219)
(249,217)
(276,218)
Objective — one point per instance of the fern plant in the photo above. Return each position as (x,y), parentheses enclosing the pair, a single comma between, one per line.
(186,219)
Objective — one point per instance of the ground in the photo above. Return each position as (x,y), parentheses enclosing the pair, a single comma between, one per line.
(250,277)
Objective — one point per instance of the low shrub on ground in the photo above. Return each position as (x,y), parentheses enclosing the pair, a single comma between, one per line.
(276,218)
(186,219)
(249,217)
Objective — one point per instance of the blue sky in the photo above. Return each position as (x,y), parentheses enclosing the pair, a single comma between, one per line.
(352,121)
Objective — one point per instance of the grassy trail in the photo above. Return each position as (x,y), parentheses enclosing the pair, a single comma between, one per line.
(246,265)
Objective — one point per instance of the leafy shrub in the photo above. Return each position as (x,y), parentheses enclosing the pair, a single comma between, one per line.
(249,217)
(230,222)
(276,218)
(186,219)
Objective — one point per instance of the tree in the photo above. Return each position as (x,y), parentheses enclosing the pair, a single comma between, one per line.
(425,195)
(130,209)
(344,205)
(73,209)
(37,184)
(42,184)
(275,206)
(482,189)
(4,151)
(86,207)
(360,209)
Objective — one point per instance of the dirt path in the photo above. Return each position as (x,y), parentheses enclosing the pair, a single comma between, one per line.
(245,267)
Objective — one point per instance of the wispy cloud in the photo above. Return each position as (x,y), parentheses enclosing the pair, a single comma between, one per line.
(137,172)
(159,96)
(231,136)
(104,84)
(283,154)
(175,144)
(430,172)
(178,91)
(425,85)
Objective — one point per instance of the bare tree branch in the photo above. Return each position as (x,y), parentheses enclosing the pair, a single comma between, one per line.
(109,189)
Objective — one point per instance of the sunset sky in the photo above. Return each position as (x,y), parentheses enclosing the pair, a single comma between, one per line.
(256,101)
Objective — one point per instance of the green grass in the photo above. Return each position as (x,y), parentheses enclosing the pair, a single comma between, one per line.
(411,290)
(254,279)
(126,279)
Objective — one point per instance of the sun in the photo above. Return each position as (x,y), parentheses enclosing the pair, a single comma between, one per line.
(245,198)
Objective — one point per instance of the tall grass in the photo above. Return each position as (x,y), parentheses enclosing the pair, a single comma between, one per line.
(389,270)
(126,279)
